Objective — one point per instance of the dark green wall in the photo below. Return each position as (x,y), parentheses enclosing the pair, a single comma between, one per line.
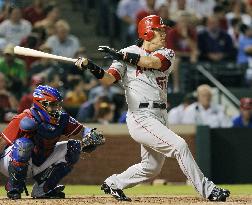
(225,155)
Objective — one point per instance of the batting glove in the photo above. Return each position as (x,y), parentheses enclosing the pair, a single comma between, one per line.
(131,58)
(111,53)
(81,62)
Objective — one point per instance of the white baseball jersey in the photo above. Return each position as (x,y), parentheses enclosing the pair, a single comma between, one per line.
(144,85)
(147,126)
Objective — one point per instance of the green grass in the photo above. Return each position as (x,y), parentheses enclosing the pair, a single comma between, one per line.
(148,190)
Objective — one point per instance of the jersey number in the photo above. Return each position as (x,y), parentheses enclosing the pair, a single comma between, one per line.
(162,82)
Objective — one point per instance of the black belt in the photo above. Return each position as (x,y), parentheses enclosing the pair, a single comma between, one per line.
(155,105)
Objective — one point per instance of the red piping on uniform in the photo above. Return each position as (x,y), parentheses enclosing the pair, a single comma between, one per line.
(74,130)
(168,145)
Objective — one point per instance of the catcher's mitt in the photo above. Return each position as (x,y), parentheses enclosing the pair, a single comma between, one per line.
(91,139)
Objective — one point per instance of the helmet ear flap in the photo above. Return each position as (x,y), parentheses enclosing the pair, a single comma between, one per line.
(149,35)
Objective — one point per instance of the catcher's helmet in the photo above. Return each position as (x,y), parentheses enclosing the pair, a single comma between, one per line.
(146,25)
(47,100)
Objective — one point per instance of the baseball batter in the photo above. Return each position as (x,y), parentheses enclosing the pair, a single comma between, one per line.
(143,70)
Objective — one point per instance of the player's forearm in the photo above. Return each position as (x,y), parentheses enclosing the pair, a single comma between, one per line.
(150,62)
(97,71)
(104,77)
(107,79)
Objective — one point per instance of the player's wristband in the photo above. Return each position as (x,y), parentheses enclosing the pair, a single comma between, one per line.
(97,71)
(131,58)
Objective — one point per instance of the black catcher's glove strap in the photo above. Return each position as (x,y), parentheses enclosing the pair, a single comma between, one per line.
(91,140)
(131,58)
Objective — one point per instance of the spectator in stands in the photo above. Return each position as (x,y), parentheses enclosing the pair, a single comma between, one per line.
(127,11)
(5,11)
(42,65)
(80,52)
(63,43)
(104,114)
(35,12)
(245,45)
(238,12)
(72,73)
(200,8)
(203,112)
(183,40)
(245,117)
(176,114)
(8,102)
(248,7)
(219,12)
(26,100)
(34,40)
(173,5)
(214,44)
(234,31)
(89,109)
(54,80)
(76,95)
(109,91)
(52,15)
(148,10)
(15,28)
(244,57)
(13,69)
(163,12)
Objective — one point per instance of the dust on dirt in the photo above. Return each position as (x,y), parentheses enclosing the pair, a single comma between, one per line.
(137,200)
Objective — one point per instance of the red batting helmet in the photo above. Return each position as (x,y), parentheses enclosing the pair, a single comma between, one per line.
(146,25)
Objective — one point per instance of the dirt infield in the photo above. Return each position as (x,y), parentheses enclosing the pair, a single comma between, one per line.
(144,200)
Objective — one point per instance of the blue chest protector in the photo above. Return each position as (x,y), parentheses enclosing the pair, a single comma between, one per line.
(46,136)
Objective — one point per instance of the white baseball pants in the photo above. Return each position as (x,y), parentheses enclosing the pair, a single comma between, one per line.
(157,142)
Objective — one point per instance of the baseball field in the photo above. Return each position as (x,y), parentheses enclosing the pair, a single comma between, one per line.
(141,195)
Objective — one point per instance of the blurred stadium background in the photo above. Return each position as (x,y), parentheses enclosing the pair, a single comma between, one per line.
(213,45)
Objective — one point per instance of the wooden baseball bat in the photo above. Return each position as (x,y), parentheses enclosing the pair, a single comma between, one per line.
(35,53)
(5,138)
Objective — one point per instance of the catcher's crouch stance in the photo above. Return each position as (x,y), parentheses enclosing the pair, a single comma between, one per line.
(30,147)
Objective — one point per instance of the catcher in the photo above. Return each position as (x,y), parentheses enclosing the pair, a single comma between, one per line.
(30,146)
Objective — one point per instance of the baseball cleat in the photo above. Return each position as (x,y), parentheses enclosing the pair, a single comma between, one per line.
(116,193)
(219,194)
(56,193)
(14,194)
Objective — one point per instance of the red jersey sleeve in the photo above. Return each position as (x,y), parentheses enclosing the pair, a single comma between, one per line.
(13,131)
(166,57)
(73,128)
(113,71)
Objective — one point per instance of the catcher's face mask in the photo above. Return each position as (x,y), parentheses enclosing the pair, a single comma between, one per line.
(54,109)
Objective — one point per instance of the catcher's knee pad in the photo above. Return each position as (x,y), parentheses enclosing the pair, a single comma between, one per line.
(21,150)
(73,151)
